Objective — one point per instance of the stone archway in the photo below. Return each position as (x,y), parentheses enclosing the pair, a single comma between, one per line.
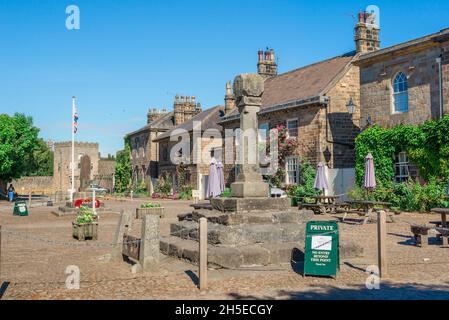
(85,166)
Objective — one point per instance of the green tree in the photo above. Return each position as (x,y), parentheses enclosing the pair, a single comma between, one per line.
(18,140)
(40,161)
(123,169)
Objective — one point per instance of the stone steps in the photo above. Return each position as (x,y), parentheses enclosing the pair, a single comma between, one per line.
(245,256)
(263,217)
(229,257)
(242,234)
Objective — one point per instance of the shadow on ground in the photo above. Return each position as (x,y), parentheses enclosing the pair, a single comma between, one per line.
(387,291)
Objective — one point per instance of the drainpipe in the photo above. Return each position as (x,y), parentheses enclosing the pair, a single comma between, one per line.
(326,105)
(440,85)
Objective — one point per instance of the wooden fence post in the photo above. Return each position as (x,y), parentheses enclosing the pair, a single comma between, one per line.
(29,200)
(381,243)
(203,254)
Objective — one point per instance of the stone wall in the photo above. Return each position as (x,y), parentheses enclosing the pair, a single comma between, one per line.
(343,127)
(63,158)
(376,78)
(445,72)
(37,185)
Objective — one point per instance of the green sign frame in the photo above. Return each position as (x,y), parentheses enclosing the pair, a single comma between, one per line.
(20,209)
(322,255)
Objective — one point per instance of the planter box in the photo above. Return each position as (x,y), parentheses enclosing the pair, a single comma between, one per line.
(85,231)
(140,212)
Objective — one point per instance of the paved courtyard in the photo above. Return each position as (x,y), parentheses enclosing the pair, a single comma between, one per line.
(36,251)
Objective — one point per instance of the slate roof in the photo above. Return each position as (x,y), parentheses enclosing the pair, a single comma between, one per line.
(208,119)
(302,84)
(438,36)
(165,122)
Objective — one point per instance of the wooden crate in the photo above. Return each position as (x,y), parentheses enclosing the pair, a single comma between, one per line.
(140,212)
(85,231)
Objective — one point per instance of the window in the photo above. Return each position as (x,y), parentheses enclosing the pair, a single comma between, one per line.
(264,129)
(292,169)
(400,93)
(292,128)
(402,167)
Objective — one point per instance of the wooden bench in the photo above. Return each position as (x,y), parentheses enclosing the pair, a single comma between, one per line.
(443,234)
(420,234)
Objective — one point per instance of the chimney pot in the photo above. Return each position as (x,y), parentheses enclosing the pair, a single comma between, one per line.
(193,99)
(260,53)
(188,99)
(182,98)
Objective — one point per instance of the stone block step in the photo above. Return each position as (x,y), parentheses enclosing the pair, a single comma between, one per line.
(256,255)
(227,219)
(231,257)
(241,234)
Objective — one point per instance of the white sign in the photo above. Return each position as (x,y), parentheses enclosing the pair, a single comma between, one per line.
(195,193)
(322,243)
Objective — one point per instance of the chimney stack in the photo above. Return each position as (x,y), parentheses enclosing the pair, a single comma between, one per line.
(267,67)
(229,99)
(366,33)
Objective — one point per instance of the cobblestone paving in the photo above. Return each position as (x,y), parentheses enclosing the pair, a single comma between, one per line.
(36,251)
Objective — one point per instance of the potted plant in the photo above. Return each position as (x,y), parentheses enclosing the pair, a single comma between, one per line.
(85,225)
(149,208)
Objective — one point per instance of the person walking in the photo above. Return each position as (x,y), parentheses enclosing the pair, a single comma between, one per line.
(11,192)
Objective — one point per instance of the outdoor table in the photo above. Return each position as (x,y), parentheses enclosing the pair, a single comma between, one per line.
(443,213)
(322,204)
(368,207)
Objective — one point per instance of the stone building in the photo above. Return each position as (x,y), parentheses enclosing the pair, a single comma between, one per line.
(89,168)
(312,103)
(407,83)
(145,153)
(195,167)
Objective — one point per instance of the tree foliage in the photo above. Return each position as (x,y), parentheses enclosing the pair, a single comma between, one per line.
(123,169)
(427,146)
(18,142)
(40,161)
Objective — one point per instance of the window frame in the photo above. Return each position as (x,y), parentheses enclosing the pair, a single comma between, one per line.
(288,129)
(287,171)
(401,163)
(395,95)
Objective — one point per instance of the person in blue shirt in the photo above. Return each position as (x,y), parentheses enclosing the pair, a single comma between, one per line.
(11,192)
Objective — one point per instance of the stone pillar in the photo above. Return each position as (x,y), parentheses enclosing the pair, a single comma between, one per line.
(124,225)
(248,90)
(149,245)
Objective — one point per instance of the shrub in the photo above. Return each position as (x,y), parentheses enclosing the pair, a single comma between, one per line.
(185,193)
(226,193)
(163,187)
(85,216)
(150,205)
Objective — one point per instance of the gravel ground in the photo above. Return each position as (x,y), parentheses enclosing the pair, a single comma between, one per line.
(36,251)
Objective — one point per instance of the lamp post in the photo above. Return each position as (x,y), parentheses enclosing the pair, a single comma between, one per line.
(351,106)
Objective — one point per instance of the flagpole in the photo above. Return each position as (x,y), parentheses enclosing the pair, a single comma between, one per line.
(73,151)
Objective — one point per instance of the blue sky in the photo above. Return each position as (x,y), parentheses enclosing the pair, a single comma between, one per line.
(135,54)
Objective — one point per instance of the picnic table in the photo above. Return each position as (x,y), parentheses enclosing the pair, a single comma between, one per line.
(365,208)
(323,204)
(443,212)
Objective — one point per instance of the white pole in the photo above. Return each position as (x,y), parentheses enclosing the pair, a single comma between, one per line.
(93,203)
(73,151)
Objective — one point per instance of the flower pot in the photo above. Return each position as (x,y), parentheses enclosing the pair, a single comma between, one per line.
(85,231)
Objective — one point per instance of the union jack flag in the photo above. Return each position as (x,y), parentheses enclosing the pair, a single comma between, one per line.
(75,122)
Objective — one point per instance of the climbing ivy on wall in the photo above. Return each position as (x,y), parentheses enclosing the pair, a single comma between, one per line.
(427,146)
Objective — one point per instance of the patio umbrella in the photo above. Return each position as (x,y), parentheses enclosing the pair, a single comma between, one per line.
(221,176)
(213,184)
(320,178)
(370,177)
